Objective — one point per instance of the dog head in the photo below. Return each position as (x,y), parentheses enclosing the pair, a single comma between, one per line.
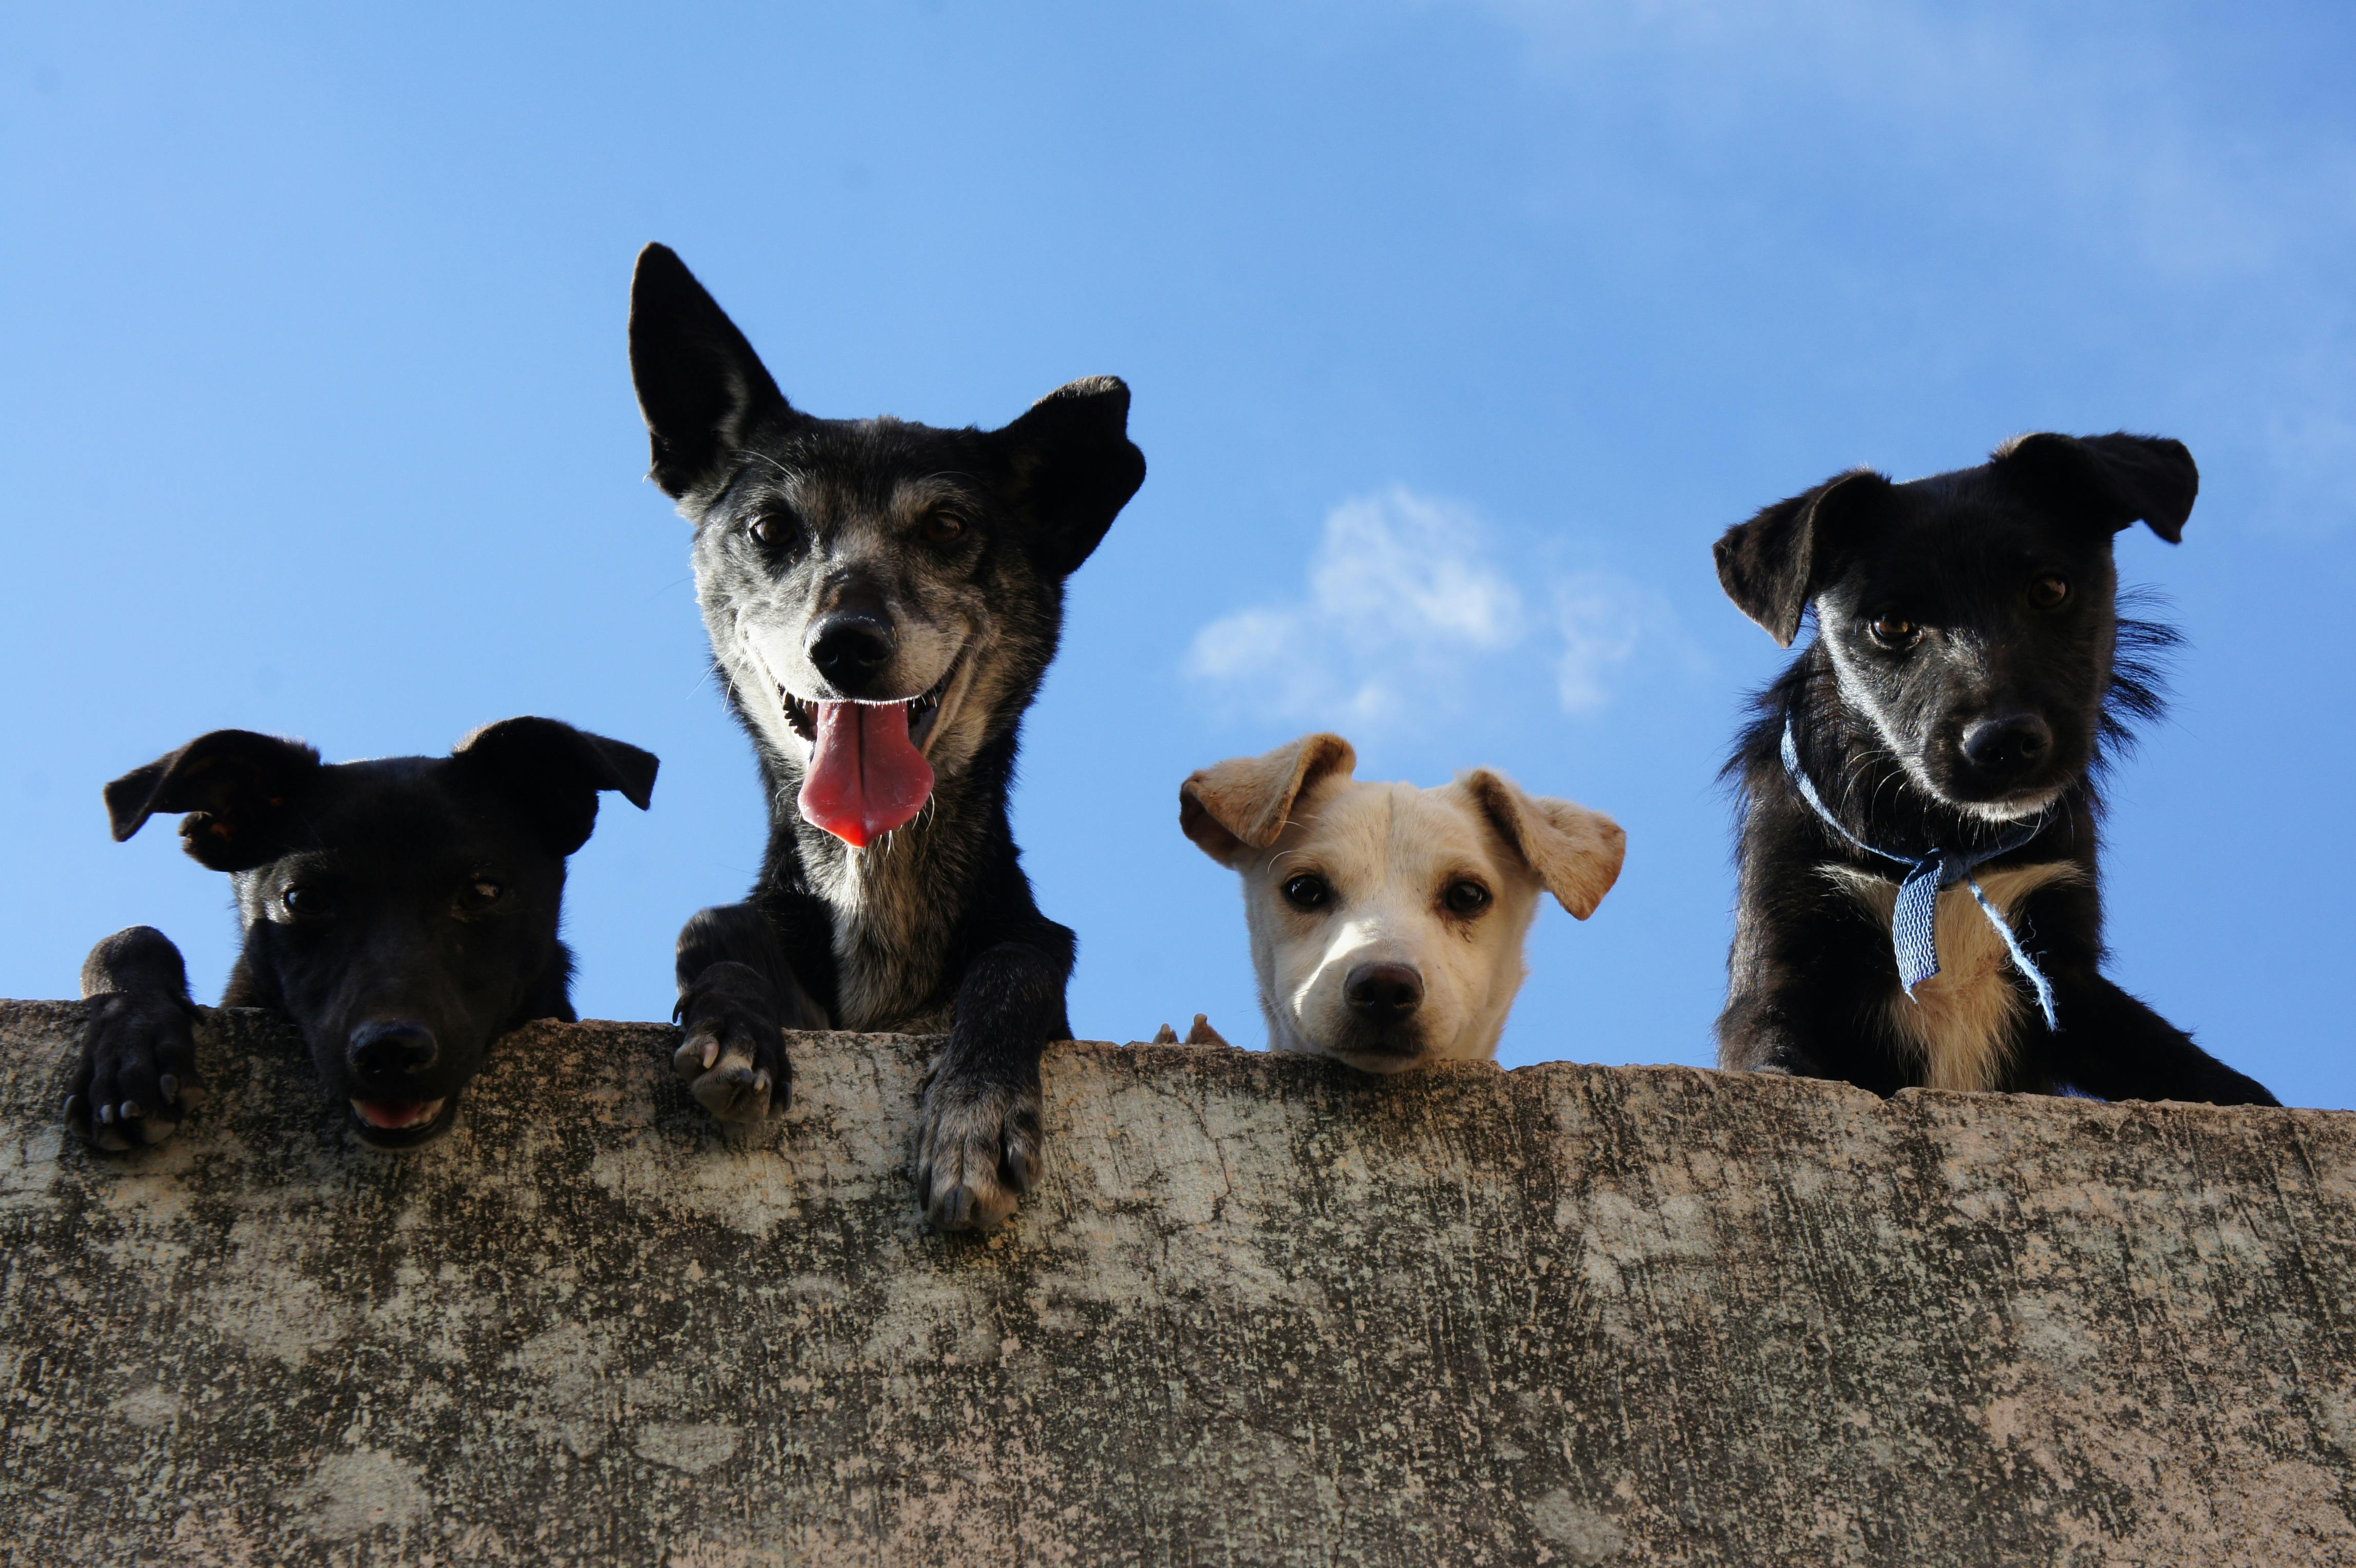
(883,596)
(1971,617)
(1386,922)
(403,912)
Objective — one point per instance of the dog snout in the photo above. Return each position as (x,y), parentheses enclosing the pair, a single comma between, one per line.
(2009,746)
(851,648)
(382,1051)
(1382,993)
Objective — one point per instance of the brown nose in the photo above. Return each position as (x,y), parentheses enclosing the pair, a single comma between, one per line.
(1382,993)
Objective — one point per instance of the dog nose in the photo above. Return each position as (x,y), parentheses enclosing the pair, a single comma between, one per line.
(2014,744)
(387,1050)
(1383,992)
(849,650)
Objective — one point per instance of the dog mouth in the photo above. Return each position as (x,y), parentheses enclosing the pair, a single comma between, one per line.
(869,773)
(923,710)
(402,1124)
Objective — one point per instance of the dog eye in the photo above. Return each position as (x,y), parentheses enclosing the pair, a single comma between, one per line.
(1896,631)
(1466,898)
(770,531)
(1307,892)
(300,902)
(479,896)
(942,528)
(2049,593)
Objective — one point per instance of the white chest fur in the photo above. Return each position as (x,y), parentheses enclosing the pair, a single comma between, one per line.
(1960,1021)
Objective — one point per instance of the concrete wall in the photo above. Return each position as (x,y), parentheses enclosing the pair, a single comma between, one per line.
(1262,1312)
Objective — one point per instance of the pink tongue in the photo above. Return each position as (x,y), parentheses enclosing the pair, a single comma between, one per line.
(865,778)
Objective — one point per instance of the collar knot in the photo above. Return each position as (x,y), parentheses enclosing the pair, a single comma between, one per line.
(1914,923)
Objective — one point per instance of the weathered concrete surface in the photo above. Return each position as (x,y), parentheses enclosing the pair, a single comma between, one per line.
(1261,1312)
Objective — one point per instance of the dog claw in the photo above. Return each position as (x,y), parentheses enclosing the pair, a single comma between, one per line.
(734,1090)
(979,1155)
(170,1086)
(131,1111)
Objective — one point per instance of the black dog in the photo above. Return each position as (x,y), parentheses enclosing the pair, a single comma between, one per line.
(403,913)
(1945,731)
(883,599)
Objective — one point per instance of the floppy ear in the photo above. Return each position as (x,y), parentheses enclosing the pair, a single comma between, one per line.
(1768,565)
(238,788)
(1232,809)
(701,387)
(554,773)
(1576,853)
(1075,468)
(2117,480)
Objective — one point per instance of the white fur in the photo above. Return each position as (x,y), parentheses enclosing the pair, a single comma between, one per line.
(1390,851)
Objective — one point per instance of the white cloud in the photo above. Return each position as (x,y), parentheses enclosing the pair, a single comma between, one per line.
(1408,612)
(1600,619)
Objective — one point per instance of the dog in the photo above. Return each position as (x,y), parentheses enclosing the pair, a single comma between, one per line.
(401,913)
(1919,903)
(883,599)
(1386,922)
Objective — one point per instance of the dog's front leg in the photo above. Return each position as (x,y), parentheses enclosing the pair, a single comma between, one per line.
(978,1140)
(737,995)
(1756,1034)
(2113,1044)
(136,1077)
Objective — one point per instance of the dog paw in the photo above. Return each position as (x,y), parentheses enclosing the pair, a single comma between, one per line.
(978,1152)
(732,1054)
(136,1078)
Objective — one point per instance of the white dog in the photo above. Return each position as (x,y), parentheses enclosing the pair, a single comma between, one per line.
(1386,922)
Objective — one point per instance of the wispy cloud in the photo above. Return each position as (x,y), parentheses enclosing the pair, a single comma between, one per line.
(1409,614)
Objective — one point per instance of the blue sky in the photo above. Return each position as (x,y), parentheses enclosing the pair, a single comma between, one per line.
(1457,332)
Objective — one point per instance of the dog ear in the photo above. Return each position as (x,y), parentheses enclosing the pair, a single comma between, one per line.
(2118,479)
(1768,565)
(702,390)
(1075,468)
(1235,807)
(238,788)
(1576,853)
(553,772)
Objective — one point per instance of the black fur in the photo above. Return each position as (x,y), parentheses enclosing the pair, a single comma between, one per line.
(804,525)
(1943,701)
(401,913)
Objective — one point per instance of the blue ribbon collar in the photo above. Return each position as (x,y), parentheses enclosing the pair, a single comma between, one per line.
(1914,925)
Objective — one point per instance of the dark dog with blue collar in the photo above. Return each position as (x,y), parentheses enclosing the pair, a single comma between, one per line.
(1920,902)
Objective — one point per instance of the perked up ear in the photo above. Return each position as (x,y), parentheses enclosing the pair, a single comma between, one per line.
(702,390)
(553,772)
(1232,809)
(1768,565)
(1575,852)
(238,788)
(1075,468)
(2116,480)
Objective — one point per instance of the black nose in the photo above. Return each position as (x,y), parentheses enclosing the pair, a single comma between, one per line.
(1384,993)
(387,1050)
(2002,747)
(849,650)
